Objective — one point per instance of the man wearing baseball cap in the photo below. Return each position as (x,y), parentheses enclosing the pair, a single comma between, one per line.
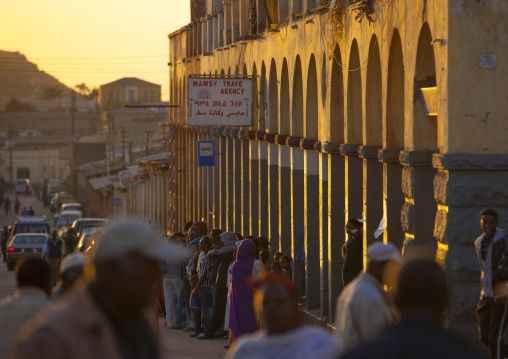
(363,310)
(107,319)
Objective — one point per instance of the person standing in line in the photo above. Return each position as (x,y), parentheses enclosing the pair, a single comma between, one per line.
(421,296)
(172,284)
(492,309)
(363,307)
(33,287)
(352,252)
(203,286)
(241,311)
(5,238)
(53,253)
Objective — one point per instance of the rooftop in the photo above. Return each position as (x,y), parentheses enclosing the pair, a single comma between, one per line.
(130,81)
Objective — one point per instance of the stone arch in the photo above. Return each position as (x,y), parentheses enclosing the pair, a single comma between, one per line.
(222,72)
(424,127)
(395,95)
(263,101)
(297,103)
(285,120)
(373,126)
(311,107)
(353,128)
(237,71)
(245,71)
(255,98)
(273,99)
(337,99)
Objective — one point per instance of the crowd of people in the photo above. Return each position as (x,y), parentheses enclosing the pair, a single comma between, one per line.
(218,284)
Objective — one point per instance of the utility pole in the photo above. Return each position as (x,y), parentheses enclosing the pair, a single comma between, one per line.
(164,137)
(73,106)
(123,146)
(147,133)
(10,153)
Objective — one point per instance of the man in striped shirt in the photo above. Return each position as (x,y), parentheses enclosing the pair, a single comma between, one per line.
(204,286)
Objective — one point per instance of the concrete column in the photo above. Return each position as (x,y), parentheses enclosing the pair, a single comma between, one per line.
(208,39)
(273,197)
(217,31)
(204,23)
(230,182)
(244,17)
(220,29)
(372,192)
(227,22)
(237,212)
(393,198)
(336,235)
(297,214)
(263,188)
(245,183)
(285,230)
(223,182)
(419,210)
(283,10)
(235,20)
(217,181)
(353,184)
(312,235)
(323,232)
(254,189)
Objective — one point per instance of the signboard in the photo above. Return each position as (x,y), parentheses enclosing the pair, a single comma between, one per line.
(117,202)
(95,207)
(206,153)
(133,177)
(429,100)
(219,101)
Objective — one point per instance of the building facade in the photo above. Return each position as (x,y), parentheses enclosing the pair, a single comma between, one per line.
(340,130)
(127,90)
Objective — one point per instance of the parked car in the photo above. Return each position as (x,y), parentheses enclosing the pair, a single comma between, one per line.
(69,207)
(91,228)
(23,186)
(29,225)
(59,199)
(24,245)
(67,218)
(88,222)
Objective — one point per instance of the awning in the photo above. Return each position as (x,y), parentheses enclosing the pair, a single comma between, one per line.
(101,182)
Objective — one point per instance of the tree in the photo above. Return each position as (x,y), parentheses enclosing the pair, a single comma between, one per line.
(18,106)
(52,92)
(86,92)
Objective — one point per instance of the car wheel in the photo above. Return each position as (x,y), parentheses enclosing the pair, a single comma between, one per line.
(10,266)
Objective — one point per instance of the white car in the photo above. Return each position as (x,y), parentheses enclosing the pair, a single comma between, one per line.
(67,218)
(23,185)
(69,207)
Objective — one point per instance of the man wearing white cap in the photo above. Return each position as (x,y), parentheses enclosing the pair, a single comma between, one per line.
(363,310)
(107,319)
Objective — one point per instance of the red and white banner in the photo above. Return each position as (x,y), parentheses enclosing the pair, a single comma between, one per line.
(133,177)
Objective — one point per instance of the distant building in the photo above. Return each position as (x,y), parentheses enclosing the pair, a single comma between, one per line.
(127,90)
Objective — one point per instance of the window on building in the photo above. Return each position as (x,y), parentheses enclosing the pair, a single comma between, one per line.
(113,95)
(149,95)
(131,96)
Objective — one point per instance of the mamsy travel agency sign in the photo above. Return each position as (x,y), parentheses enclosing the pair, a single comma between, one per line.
(219,101)
(133,177)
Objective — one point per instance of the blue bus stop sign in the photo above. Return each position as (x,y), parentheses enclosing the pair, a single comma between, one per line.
(117,202)
(206,153)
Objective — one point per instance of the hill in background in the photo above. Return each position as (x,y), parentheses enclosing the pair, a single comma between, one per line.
(22,79)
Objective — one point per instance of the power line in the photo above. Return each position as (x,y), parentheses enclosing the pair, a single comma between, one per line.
(83,58)
(77,63)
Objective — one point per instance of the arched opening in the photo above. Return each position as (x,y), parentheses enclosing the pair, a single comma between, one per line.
(245,71)
(373,119)
(337,99)
(395,99)
(424,127)
(222,72)
(263,99)
(237,70)
(285,122)
(353,129)
(273,99)
(311,113)
(297,106)
(324,80)
(255,99)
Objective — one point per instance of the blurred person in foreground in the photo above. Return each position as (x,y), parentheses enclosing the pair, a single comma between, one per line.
(364,308)
(109,319)
(285,337)
(71,269)
(33,287)
(421,297)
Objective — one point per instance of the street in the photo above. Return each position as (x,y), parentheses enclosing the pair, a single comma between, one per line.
(174,343)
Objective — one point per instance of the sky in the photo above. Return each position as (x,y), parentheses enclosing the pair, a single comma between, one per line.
(94,41)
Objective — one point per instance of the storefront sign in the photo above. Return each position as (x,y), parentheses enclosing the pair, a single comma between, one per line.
(133,177)
(219,101)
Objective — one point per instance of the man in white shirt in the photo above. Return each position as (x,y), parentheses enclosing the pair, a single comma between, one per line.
(33,288)
(363,310)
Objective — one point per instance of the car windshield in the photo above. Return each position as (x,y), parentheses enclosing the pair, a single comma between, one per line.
(72,208)
(68,218)
(29,239)
(31,228)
